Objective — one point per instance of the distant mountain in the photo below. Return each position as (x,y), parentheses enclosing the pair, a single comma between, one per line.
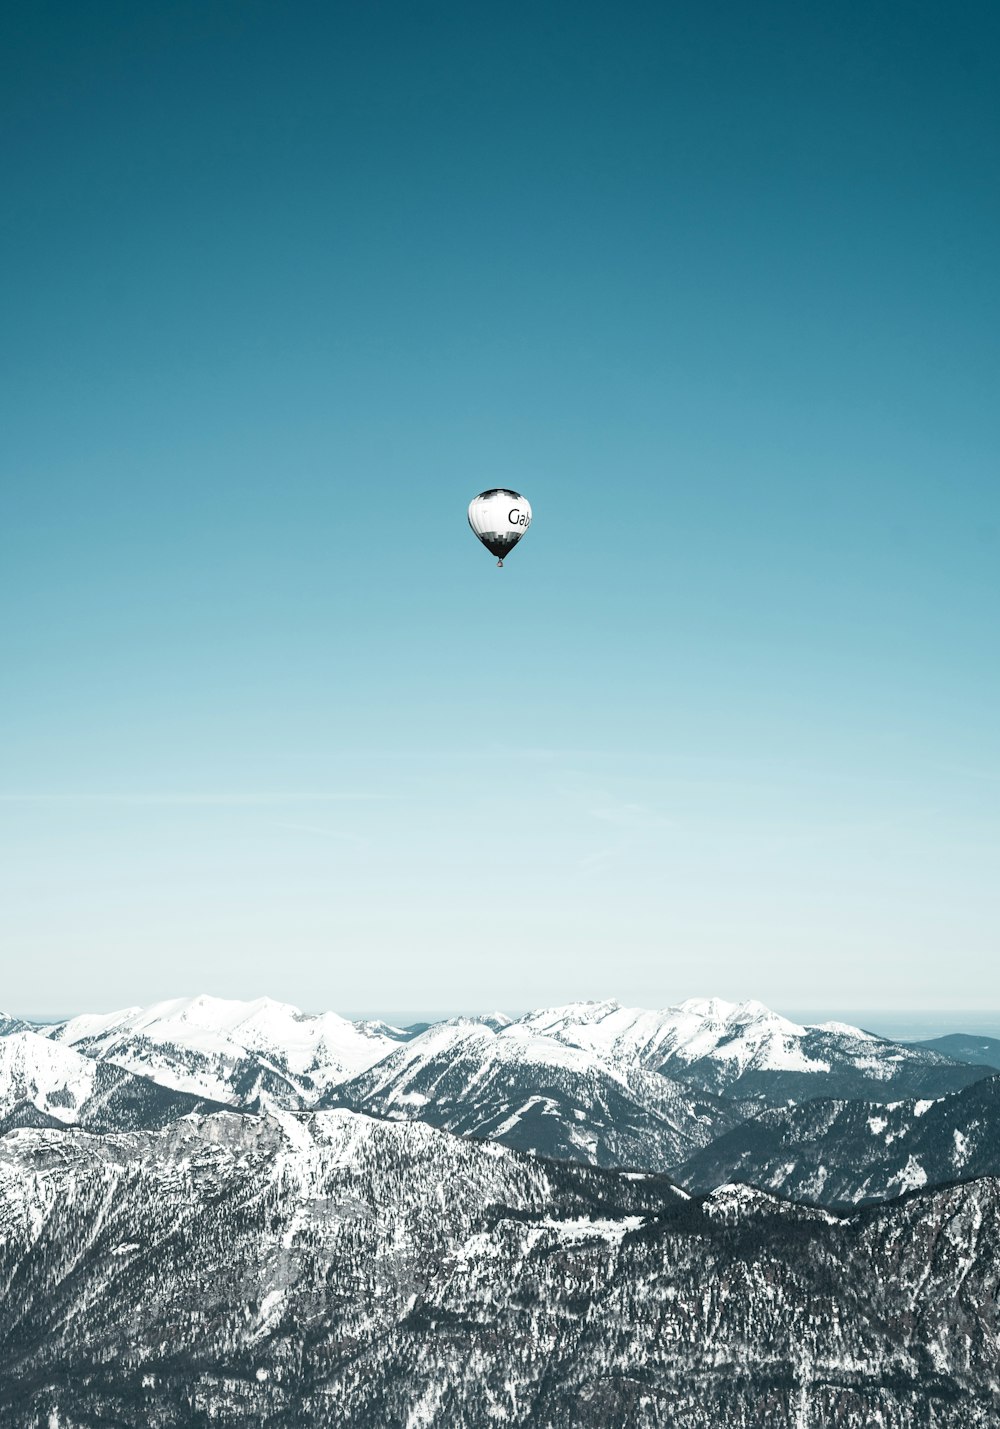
(615,1086)
(598,1083)
(43,1085)
(841,1153)
(536,1093)
(965,1047)
(325,1269)
(744,1050)
(13,1024)
(243,1053)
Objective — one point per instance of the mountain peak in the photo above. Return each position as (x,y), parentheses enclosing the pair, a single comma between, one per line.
(212,1046)
(53,1078)
(715,1008)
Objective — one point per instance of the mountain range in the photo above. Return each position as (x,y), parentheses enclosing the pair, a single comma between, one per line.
(318,1269)
(538,1094)
(45,1085)
(221,1213)
(239,1052)
(843,1153)
(701,1090)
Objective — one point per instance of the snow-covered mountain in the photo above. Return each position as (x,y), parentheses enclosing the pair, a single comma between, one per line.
(744,1050)
(326,1269)
(243,1053)
(594,1082)
(842,1153)
(42,1084)
(314,1267)
(530,1090)
(13,1024)
(617,1086)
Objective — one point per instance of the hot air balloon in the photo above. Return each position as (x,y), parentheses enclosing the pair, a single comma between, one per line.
(499,518)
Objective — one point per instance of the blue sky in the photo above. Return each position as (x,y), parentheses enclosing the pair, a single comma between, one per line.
(715,286)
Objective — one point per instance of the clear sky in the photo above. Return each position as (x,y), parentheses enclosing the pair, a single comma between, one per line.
(716,286)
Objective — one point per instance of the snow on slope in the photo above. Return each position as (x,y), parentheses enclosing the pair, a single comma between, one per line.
(45,1085)
(324,1269)
(742,1034)
(515,1044)
(13,1024)
(744,1049)
(842,1153)
(266,1054)
(232,1051)
(55,1080)
(537,1093)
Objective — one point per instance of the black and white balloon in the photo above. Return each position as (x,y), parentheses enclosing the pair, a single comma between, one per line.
(499,518)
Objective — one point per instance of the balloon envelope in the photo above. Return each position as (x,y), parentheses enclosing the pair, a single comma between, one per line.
(499,518)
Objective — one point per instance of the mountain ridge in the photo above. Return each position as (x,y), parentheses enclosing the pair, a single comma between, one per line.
(845,1153)
(317,1268)
(44,1084)
(596,1082)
